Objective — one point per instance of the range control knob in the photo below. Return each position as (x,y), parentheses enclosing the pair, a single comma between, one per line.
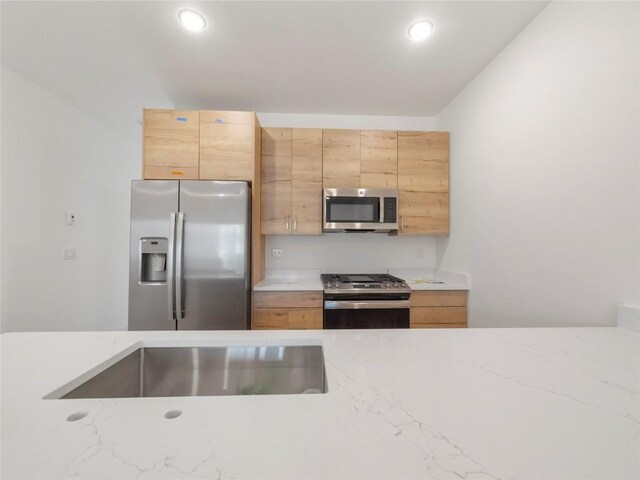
(388,284)
(396,284)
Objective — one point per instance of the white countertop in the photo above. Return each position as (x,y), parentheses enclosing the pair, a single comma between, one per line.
(432,279)
(538,403)
(290,280)
(309,279)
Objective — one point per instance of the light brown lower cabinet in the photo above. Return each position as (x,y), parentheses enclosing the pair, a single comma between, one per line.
(286,310)
(438,309)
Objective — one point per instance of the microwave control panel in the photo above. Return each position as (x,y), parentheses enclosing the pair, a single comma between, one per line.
(390,210)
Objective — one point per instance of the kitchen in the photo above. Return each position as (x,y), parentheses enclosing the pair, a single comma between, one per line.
(542,120)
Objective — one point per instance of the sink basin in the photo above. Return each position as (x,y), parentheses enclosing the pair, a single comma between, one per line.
(206,371)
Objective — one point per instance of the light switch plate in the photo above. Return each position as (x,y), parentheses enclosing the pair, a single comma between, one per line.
(276,253)
(69,254)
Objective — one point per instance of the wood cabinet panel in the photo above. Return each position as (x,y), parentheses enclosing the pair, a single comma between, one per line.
(276,181)
(229,117)
(423,183)
(424,176)
(423,146)
(438,298)
(270,319)
(441,325)
(305,318)
(303,299)
(341,158)
(227,151)
(178,173)
(276,142)
(378,159)
(286,318)
(257,238)
(422,317)
(306,187)
(170,139)
(424,213)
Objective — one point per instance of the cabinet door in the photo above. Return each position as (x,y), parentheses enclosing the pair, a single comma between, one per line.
(270,319)
(305,318)
(423,183)
(227,149)
(170,139)
(276,181)
(341,158)
(306,185)
(378,159)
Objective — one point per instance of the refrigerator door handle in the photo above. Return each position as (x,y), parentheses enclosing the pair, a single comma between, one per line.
(179,245)
(170,272)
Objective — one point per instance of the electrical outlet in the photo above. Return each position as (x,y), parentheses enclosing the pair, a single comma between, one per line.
(71,218)
(276,253)
(69,254)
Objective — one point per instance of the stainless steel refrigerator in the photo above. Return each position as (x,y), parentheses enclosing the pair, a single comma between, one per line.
(190,255)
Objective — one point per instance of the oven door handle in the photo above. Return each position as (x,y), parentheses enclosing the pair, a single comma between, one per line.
(371,305)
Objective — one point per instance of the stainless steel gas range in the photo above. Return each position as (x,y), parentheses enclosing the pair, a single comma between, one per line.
(365,301)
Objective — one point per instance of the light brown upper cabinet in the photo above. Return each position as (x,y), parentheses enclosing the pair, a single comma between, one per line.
(360,159)
(170,144)
(306,181)
(291,181)
(341,158)
(276,181)
(423,183)
(227,145)
(378,159)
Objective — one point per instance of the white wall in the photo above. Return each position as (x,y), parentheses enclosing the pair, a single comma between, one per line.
(362,122)
(55,159)
(349,252)
(352,252)
(545,174)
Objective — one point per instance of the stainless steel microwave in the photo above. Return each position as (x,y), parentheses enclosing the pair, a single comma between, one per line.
(360,210)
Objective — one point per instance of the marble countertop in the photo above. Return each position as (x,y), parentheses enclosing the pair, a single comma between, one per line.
(537,403)
(309,279)
(290,280)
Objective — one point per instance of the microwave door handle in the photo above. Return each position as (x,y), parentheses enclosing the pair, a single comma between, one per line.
(381,219)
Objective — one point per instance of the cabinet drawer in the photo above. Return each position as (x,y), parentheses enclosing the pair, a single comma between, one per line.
(287,299)
(286,318)
(426,317)
(438,298)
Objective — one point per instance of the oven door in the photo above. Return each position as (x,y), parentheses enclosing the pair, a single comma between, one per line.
(366,314)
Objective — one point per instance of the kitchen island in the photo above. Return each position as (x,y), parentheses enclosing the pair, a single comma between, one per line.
(469,403)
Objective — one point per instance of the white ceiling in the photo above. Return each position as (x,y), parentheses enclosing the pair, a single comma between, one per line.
(113,58)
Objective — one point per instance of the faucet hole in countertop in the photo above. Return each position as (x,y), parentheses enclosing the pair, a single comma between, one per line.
(77,416)
(171,414)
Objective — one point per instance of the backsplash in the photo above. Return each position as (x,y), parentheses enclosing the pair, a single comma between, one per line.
(351,252)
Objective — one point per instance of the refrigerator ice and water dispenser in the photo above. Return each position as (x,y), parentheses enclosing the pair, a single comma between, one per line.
(153,260)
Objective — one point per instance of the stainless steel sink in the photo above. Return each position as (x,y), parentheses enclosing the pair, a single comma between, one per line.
(203,371)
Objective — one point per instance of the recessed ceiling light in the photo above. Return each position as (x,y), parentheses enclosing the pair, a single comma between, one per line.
(420,30)
(192,20)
